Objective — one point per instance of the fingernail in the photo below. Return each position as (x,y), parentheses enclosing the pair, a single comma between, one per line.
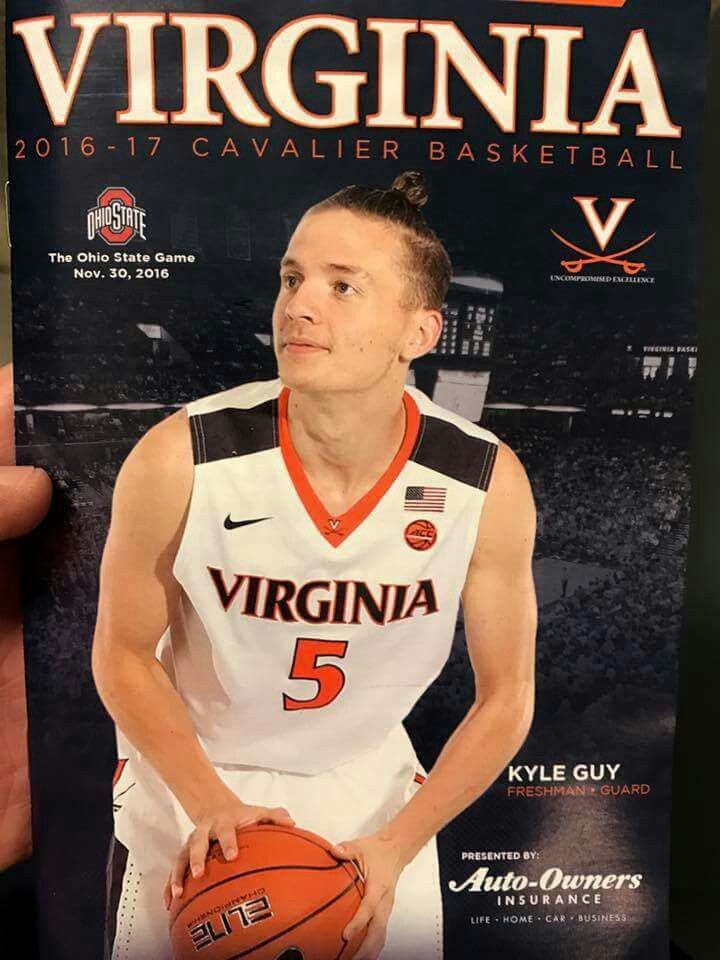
(196,871)
(231,854)
(176,890)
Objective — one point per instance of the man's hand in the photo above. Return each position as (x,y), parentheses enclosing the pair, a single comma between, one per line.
(381,863)
(24,500)
(218,823)
(25,492)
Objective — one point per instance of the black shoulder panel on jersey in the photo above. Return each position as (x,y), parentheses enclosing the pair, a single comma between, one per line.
(446,448)
(232,432)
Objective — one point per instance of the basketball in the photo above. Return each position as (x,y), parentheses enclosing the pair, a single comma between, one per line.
(284,897)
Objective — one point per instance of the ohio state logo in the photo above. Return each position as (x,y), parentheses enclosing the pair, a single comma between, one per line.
(116,217)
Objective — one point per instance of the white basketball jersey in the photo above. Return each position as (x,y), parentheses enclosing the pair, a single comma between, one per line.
(304,638)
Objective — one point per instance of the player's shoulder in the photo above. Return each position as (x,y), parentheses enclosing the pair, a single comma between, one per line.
(171,448)
(234,423)
(159,468)
(510,473)
(453,446)
(244,396)
(449,421)
(506,532)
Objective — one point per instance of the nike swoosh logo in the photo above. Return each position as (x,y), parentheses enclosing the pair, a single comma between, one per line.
(234,524)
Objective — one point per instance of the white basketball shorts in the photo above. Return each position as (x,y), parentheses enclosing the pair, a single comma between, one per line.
(349,801)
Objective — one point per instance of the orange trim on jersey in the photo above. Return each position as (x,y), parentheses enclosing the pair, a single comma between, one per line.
(419,778)
(120,766)
(337,529)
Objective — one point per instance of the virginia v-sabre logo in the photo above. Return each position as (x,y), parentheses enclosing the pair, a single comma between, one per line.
(603,230)
(116,217)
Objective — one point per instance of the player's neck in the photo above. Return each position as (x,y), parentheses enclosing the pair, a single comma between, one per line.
(345,442)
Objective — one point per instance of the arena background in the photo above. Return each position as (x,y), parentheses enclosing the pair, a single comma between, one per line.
(600,422)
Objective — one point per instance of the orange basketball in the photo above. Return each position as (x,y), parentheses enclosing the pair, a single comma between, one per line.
(285,897)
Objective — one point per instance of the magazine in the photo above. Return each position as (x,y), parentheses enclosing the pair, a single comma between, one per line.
(360,350)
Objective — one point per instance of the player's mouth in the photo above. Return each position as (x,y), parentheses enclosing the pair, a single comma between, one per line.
(301,345)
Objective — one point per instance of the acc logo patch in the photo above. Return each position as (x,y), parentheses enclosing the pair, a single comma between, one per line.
(420,534)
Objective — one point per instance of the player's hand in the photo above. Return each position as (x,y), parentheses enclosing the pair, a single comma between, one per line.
(218,823)
(24,500)
(381,864)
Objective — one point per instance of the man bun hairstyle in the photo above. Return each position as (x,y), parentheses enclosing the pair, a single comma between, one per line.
(427,265)
(413,187)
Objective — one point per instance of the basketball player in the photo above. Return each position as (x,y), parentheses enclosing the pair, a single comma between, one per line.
(299,548)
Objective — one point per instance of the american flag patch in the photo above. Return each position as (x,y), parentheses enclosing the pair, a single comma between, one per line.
(425,499)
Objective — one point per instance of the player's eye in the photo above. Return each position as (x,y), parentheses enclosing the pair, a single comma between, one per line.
(288,280)
(343,288)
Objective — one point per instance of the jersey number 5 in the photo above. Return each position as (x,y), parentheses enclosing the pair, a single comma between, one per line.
(329,677)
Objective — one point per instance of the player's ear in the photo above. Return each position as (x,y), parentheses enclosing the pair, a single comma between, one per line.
(423,333)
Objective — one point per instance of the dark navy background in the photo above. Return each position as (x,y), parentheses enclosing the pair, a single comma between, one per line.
(611,499)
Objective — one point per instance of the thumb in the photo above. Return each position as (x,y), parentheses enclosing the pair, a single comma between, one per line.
(346,850)
(25,494)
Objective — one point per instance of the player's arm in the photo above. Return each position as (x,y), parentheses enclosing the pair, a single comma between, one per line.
(138,595)
(138,598)
(500,613)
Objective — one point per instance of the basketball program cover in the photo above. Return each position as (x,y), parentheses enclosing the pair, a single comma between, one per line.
(360,350)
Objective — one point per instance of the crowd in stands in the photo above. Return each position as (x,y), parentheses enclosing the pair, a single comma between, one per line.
(546,355)
(616,385)
(92,357)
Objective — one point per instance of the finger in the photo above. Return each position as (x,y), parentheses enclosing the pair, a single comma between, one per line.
(198,849)
(374,940)
(227,838)
(177,874)
(167,894)
(350,853)
(25,494)
(373,943)
(277,815)
(280,816)
(7,446)
(343,851)
(365,912)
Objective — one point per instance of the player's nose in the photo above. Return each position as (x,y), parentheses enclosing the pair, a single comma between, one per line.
(303,304)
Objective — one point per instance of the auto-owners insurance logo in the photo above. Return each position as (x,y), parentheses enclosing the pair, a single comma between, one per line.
(116,217)
(626,262)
